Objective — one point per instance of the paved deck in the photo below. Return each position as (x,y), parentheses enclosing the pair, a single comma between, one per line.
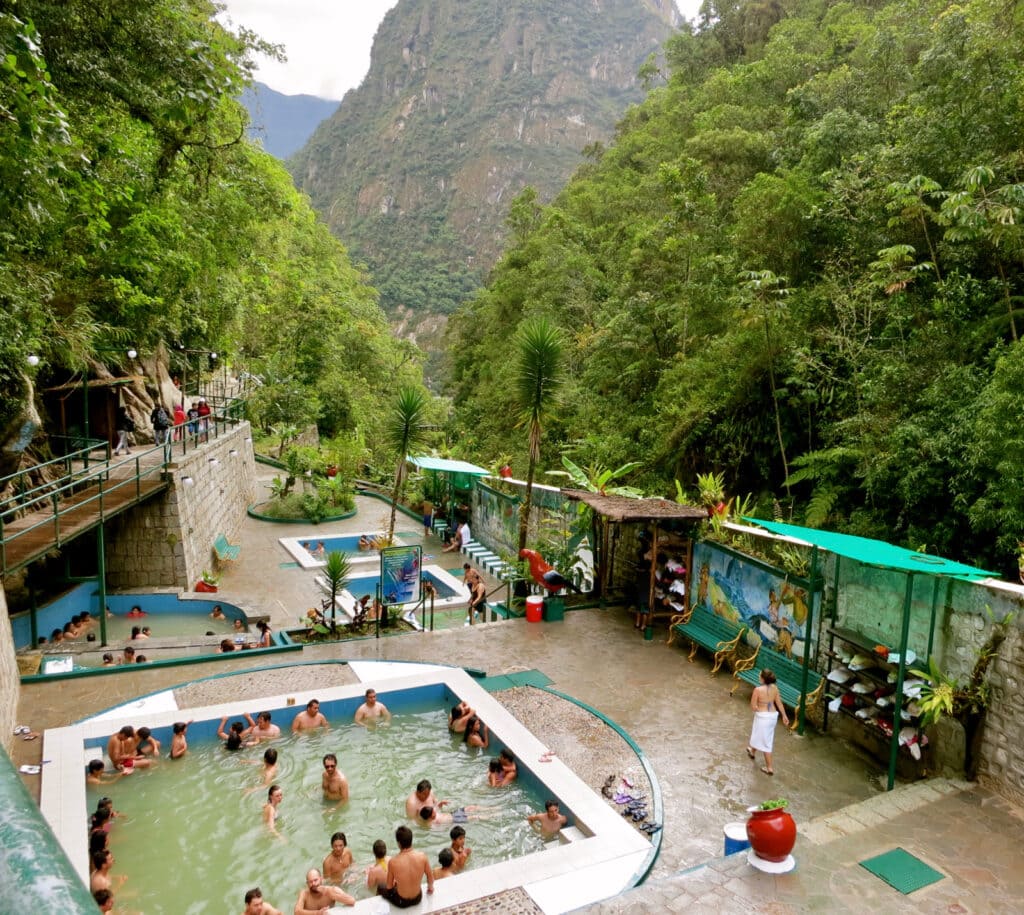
(693,733)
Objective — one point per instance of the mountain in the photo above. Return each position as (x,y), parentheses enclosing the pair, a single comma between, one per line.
(283,123)
(466,103)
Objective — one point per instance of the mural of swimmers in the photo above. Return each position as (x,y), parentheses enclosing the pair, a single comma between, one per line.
(771,605)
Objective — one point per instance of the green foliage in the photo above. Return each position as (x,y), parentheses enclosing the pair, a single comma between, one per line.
(405,430)
(799,263)
(337,570)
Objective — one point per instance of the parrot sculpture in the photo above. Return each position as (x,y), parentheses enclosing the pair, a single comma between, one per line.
(546,575)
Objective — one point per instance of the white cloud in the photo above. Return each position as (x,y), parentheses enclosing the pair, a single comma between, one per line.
(327,41)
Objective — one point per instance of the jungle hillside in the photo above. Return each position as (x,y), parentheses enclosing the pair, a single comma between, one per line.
(799,264)
(137,214)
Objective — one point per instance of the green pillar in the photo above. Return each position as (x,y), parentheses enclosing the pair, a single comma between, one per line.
(802,711)
(101,581)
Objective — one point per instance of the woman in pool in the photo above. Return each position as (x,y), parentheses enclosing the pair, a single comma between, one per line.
(266,638)
(232,738)
(476,734)
(339,860)
(136,612)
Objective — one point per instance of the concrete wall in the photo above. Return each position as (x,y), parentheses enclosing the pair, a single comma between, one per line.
(168,541)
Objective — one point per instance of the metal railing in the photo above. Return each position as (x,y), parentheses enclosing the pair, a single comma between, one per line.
(50,500)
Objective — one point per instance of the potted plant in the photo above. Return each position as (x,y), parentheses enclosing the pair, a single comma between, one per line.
(771,830)
(208,583)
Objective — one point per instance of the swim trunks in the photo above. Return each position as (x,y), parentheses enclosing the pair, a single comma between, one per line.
(395,899)
(460,815)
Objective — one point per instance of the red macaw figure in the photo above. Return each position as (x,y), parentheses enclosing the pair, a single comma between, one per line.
(545,574)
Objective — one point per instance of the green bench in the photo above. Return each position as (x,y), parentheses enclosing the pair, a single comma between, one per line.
(224,551)
(789,676)
(709,631)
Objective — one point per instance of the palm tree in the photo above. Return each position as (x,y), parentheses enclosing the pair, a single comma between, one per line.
(539,374)
(404,430)
(336,572)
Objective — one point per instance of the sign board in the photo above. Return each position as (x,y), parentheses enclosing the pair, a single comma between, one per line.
(400,574)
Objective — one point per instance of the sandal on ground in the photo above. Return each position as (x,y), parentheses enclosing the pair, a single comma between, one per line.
(767,771)
(750,753)
(607,792)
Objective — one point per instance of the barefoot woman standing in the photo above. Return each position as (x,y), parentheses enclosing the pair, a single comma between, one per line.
(767,706)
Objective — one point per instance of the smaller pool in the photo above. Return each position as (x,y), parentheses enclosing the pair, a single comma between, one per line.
(304,549)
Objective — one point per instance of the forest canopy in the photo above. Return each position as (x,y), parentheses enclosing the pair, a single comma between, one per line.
(136,211)
(799,264)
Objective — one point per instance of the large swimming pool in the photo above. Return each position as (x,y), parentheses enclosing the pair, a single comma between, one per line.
(200,843)
(198,813)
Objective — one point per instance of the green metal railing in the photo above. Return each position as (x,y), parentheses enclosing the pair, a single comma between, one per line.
(50,500)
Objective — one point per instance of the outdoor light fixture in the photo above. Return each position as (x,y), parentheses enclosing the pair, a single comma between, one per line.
(132,353)
(33,360)
(214,461)
(248,438)
(188,481)
(233,452)
(213,355)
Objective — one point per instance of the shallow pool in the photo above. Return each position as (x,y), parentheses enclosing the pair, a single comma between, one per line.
(119,627)
(192,840)
(442,585)
(303,549)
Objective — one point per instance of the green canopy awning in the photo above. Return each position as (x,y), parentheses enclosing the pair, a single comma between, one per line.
(875,552)
(444,465)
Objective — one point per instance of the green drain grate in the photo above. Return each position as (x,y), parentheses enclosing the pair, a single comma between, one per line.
(902,870)
(520,678)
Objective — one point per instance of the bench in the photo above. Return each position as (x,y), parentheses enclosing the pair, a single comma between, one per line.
(788,678)
(224,551)
(707,630)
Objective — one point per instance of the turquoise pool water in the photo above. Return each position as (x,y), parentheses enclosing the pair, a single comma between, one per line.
(192,841)
(357,587)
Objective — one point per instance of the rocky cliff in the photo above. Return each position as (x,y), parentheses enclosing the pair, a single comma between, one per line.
(467,102)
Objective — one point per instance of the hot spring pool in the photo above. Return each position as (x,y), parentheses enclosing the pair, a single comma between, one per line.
(196,814)
(193,842)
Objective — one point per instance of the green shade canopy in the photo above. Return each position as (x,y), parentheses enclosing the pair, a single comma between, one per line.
(443,465)
(875,552)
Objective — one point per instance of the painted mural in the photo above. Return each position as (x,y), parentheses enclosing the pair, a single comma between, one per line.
(766,600)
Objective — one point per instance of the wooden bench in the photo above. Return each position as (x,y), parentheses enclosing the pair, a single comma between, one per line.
(788,678)
(224,551)
(707,630)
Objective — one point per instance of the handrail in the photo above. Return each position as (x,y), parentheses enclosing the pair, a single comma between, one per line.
(48,497)
(66,460)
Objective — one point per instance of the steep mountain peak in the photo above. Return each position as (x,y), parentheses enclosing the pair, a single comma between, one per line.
(466,102)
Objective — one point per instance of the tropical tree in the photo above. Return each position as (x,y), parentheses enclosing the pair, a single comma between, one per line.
(405,429)
(539,375)
(336,573)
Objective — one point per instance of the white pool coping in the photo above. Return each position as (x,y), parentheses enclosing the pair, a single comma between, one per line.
(295,549)
(559,878)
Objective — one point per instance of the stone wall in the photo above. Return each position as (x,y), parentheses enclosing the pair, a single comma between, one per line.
(10,683)
(168,541)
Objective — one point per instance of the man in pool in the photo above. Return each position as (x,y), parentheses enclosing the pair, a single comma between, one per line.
(274,796)
(262,729)
(127,656)
(334,783)
(406,871)
(338,860)
(254,904)
(422,797)
(310,718)
(179,739)
(550,821)
(317,897)
(372,710)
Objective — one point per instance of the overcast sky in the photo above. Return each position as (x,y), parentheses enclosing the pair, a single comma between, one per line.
(327,41)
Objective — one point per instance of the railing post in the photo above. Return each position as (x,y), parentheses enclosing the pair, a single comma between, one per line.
(56,520)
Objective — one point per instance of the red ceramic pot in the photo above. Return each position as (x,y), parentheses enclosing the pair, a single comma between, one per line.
(772,833)
(203,586)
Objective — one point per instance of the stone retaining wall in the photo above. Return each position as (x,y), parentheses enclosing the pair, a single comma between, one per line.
(168,541)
